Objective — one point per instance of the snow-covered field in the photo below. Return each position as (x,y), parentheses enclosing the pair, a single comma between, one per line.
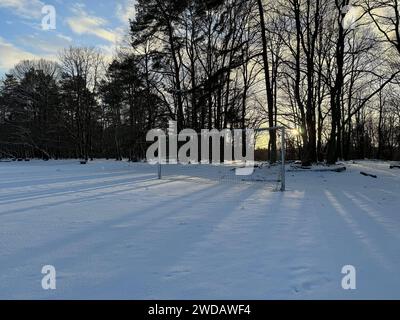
(112,230)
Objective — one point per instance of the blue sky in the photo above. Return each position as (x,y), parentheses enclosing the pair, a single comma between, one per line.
(99,23)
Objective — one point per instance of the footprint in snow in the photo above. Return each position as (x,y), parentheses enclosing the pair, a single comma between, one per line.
(177,273)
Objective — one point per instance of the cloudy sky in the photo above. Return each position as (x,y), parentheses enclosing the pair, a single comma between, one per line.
(99,23)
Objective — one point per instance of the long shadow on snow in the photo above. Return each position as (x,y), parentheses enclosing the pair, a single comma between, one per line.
(105,225)
(87,198)
(49,193)
(167,249)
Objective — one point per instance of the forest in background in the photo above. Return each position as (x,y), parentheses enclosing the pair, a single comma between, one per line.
(328,70)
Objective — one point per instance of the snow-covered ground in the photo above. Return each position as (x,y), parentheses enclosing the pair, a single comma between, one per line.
(112,230)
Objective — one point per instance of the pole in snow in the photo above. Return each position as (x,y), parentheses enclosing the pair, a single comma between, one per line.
(283,178)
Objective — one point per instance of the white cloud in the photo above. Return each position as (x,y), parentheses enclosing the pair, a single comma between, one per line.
(125,11)
(64,37)
(44,44)
(11,55)
(83,23)
(30,9)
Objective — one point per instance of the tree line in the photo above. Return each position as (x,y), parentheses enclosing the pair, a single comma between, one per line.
(328,70)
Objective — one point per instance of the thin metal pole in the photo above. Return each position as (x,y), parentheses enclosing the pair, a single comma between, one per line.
(283,177)
(159,160)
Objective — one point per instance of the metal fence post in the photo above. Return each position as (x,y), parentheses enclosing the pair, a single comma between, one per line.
(283,174)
